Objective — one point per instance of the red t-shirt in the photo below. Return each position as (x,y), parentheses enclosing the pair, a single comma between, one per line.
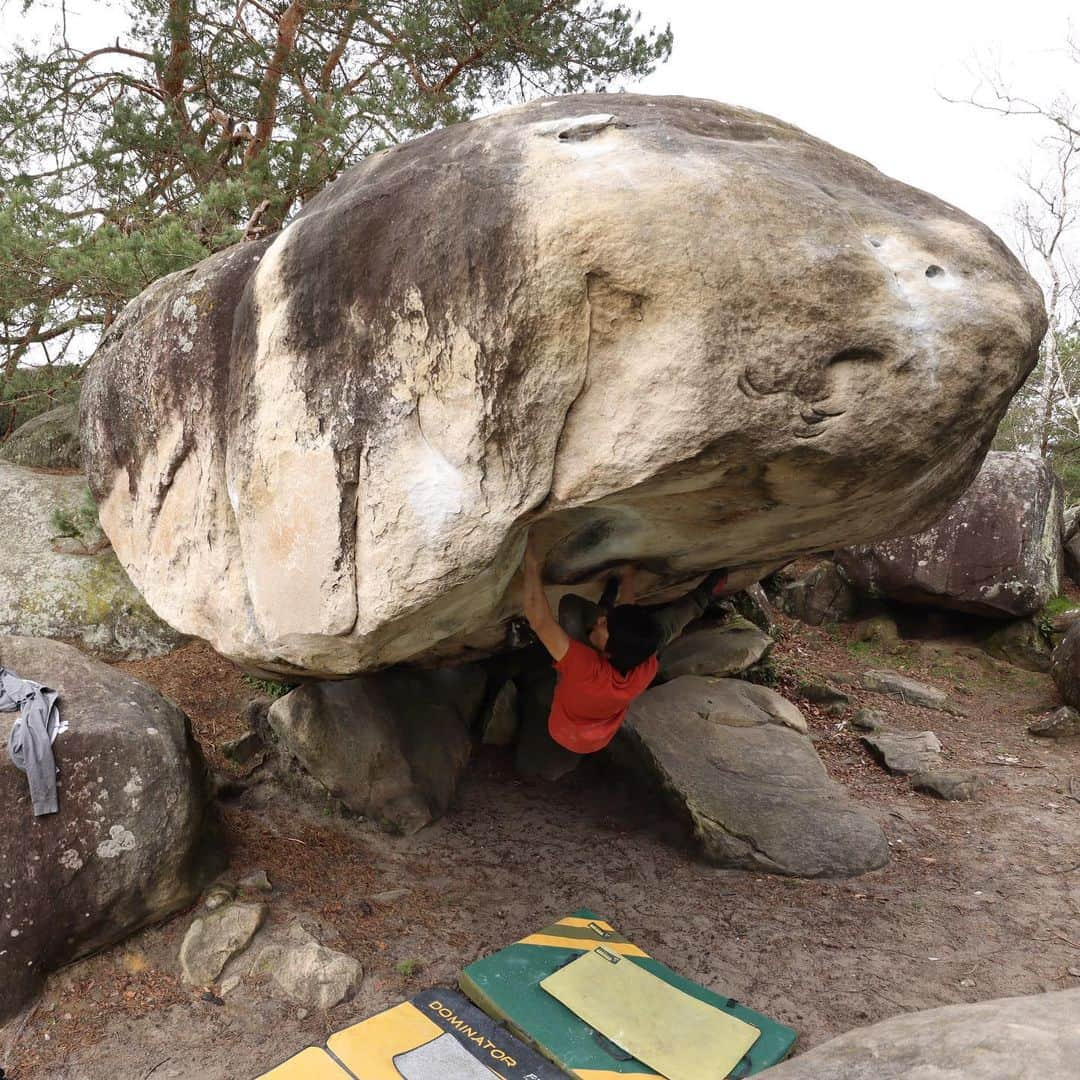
(591,698)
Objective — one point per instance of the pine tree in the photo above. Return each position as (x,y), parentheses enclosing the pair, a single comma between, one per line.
(212,120)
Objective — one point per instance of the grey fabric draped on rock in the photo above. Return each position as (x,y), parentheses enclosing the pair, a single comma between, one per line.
(31,739)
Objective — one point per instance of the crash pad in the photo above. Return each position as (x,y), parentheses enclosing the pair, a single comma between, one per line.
(313,1063)
(434,1036)
(506,985)
(679,1036)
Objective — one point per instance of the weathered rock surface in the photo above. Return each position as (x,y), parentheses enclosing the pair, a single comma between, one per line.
(1062,723)
(49,441)
(735,758)
(1070,541)
(126,848)
(905,752)
(1065,667)
(390,746)
(908,690)
(721,650)
(1022,643)
(307,971)
(45,592)
(682,334)
(1020,1038)
(213,940)
(500,722)
(997,552)
(823,595)
(879,631)
(869,720)
(953,785)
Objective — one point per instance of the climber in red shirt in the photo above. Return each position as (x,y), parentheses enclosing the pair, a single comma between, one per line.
(605,654)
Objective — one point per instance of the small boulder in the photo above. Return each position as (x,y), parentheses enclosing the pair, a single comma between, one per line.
(48,441)
(954,785)
(499,725)
(133,840)
(213,940)
(1021,643)
(1019,1038)
(256,881)
(753,603)
(997,552)
(246,750)
(821,693)
(905,752)
(869,720)
(879,630)
(306,971)
(727,649)
(910,691)
(391,746)
(734,758)
(1062,723)
(822,596)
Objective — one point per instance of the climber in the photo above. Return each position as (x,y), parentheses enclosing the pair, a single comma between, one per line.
(605,653)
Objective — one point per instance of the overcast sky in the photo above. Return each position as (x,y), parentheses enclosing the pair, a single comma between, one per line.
(865,76)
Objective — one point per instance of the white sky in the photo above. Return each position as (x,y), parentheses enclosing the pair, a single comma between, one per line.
(865,76)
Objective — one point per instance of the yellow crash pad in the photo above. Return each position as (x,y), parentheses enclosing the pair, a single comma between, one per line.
(677,1035)
(310,1064)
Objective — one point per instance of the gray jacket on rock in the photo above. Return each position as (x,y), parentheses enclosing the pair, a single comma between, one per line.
(31,739)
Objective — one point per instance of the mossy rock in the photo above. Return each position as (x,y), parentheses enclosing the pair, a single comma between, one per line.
(80,594)
(49,441)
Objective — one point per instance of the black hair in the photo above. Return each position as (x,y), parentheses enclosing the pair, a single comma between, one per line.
(633,637)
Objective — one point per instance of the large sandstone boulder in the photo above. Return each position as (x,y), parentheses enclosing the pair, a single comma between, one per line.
(391,746)
(997,552)
(1019,1038)
(69,587)
(736,760)
(657,329)
(49,441)
(127,847)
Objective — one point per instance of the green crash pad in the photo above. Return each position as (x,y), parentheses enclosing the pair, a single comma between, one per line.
(506,985)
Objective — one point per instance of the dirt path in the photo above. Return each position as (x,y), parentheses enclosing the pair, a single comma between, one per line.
(980,900)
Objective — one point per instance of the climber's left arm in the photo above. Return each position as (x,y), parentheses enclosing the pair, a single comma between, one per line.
(537,609)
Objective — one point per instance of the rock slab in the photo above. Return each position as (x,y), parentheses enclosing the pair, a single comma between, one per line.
(905,752)
(719,651)
(130,843)
(391,746)
(320,451)
(953,785)
(1063,723)
(1019,1038)
(735,758)
(910,691)
(997,552)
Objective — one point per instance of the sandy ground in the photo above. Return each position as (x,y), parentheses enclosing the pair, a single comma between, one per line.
(980,900)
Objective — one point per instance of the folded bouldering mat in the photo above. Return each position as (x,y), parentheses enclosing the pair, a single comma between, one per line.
(437,1035)
(507,986)
(310,1064)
